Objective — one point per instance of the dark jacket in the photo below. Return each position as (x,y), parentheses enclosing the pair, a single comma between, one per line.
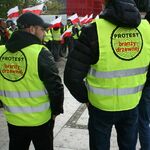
(119,12)
(48,72)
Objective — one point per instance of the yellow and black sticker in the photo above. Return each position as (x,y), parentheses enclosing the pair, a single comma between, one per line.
(13,66)
(126,43)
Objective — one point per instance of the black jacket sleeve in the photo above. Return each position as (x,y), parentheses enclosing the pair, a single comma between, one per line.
(147,84)
(48,73)
(79,60)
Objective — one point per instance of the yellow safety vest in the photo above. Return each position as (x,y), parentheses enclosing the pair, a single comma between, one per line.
(116,81)
(23,94)
(48,36)
(56,34)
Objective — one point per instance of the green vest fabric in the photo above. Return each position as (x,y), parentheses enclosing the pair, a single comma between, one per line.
(48,36)
(115,82)
(69,27)
(56,34)
(23,94)
(75,36)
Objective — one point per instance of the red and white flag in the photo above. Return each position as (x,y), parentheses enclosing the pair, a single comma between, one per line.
(35,9)
(13,12)
(97,17)
(83,20)
(67,33)
(74,18)
(90,19)
(56,23)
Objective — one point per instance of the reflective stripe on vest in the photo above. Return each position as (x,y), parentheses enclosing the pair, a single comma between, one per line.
(29,109)
(27,94)
(118,73)
(115,92)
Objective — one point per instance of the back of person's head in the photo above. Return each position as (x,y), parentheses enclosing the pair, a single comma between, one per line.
(33,24)
(117,1)
(30,19)
(147,16)
(123,13)
(69,22)
(56,17)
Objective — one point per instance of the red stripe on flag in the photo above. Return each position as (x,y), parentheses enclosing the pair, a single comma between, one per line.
(13,15)
(38,12)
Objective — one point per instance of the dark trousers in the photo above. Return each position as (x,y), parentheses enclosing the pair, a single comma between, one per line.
(100,126)
(144,119)
(55,49)
(41,137)
(69,43)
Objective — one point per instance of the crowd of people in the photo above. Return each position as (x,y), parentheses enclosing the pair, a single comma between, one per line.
(53,40)
(107,69)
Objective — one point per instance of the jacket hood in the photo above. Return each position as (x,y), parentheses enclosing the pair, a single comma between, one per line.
(21,39)
(122,13)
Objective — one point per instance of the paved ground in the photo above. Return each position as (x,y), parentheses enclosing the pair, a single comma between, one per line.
(70,132)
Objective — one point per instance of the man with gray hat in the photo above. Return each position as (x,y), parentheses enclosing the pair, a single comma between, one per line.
(107,70)
(31,89)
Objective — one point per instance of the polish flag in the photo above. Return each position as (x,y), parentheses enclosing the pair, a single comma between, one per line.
(56,23)
(13,12)
(35,9)
(67,33)
(97,17)
(90,19)
(83,20)
(74,19)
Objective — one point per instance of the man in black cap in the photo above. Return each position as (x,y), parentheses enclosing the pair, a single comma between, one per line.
(112,55)
(31,89)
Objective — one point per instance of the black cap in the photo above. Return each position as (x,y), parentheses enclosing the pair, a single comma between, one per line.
(30,19)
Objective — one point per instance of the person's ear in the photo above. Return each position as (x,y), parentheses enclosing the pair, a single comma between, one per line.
(32,29)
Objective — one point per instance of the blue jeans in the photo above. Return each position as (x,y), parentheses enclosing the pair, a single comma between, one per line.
(144,119)
(100,126)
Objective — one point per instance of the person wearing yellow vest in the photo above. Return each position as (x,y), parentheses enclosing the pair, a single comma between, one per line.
(31,90)
(144,110)
(75,33)
(107,71)
(69,39)
(47,41)
(56,44)
(11,28)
